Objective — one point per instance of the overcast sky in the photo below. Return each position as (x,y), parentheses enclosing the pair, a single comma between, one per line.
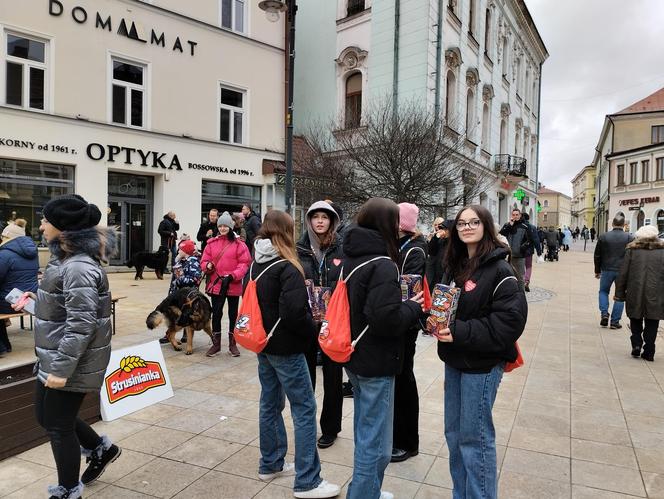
(603,56)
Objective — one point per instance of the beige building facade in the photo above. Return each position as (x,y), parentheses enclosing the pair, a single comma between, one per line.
(583,198)
(555,209)
(140,107)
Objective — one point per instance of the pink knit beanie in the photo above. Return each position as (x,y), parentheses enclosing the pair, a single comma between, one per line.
(408,213)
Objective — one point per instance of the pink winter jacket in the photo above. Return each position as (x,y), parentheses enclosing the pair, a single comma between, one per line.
(235,262)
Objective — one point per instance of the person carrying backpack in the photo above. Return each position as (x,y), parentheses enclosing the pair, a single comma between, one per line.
(412,260)
(374,294)
(282,367)
(319,251)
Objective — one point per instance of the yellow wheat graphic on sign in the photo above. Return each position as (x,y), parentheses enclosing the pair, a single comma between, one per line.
(131,362)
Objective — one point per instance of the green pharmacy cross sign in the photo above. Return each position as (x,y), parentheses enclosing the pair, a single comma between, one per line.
(539,207)
(520,194)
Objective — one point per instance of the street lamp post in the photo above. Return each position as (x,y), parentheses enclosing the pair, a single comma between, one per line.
(272,10)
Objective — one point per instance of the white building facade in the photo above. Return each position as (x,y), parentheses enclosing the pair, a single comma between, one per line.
(140,107)
(476,63)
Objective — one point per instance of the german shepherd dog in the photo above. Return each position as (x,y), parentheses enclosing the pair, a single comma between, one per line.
(185,308)
(156,261)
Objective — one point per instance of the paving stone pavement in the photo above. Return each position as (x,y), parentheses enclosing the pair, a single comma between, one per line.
(582,419)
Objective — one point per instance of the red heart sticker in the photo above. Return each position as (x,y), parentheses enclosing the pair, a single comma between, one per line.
(469,286)
(336,262)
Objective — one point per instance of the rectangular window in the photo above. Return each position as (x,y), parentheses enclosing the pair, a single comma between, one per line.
(621,174)
(128,93)
(657,134)
(354,7)
(231,115)
(233,15)
(660,168)
(645,170)
(633,173)
(25,72)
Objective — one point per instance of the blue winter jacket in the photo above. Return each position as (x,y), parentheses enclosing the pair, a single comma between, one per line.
(19,266)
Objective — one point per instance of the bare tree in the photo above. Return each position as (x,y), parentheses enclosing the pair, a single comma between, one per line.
(407,156)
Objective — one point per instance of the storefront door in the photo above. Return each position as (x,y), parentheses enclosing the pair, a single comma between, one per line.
(640,218)
(130,209)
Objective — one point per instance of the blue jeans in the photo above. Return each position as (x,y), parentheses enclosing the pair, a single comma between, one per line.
(287,376)
(606,279)
(469,431)
(373,402)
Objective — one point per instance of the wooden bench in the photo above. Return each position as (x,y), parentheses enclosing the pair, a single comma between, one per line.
(19,315)
(114,300)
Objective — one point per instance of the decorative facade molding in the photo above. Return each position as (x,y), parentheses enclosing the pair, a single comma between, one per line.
(472,77)
(453,58)
(518,123)
(351,58)
(505,110)
(487,92)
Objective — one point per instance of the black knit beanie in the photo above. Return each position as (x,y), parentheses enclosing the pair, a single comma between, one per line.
(71,212)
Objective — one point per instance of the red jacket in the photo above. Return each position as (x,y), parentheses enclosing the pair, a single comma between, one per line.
(234,261)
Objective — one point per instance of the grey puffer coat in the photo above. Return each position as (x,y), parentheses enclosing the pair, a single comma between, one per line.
(73,310)
(640,283)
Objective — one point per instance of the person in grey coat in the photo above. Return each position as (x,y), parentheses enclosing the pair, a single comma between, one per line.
(641,286)
(73,338)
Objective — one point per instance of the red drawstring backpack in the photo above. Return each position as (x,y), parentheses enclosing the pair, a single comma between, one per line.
(249,331)
(335,336)
(510,366)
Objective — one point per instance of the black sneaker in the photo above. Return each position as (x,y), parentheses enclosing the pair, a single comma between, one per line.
(648,356)
(163,340)
(326,441)
(615,325)
(400,455)
(527,286)
(605,321)
(347,390)
(98,464)
(636,352)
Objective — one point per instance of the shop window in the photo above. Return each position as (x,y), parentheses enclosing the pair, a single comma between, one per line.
(660,169)
(25,72)
(645,170)
(231,115)
(224,196)
(128,86)
(660,221)
(25,187)
(657,134)
(355,7)
(633,171)
(353,107)
(620,170)
(233,15)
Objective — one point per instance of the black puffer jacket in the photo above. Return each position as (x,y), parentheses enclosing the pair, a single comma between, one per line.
(251,226)
(374,294)
(435,269)
(201,235)
(490,317)
(168,231)
(326,274)
(282,293)
(413,255)
(610,250)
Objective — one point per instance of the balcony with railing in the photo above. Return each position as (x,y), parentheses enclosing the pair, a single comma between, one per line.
(511,168)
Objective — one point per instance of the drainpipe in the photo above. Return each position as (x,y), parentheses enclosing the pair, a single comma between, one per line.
(539,139)
(439,59)
(395,70)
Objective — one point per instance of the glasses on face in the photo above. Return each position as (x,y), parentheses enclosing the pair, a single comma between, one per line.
(472,224)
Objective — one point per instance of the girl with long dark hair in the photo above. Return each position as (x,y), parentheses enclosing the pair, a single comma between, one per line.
(490,317)
(282,367)
(374,293)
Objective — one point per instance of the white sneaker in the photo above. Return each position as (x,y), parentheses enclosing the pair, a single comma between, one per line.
(287,470)
(386,495)
(324,489)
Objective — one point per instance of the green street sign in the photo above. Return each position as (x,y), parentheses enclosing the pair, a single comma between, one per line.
(520,194)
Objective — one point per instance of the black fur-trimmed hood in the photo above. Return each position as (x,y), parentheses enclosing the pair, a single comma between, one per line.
(646,243)
(99,243)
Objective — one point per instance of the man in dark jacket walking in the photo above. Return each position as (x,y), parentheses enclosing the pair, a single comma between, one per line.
(535,247)
(609,255)
(168,231)
(208,229)
(252,224)
(520,240)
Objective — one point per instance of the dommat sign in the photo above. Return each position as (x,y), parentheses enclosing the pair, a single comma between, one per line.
(136,377)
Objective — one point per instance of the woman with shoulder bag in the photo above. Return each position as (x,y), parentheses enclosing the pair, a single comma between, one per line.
(374,294)
(225,262)
(320,253)
(73,339)
(490,317)
(282,367)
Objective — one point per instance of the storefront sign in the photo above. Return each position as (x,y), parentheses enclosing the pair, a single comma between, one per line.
(127,28)
(627,202)
(136,377)
(132,156)
(35,146)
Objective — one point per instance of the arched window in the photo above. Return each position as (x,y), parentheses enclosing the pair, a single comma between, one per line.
(506,56)
(518,76)
(526,88)
(470,113)
(471,17)
(450,102)
(517,142)
(486,126)
(487,33)
(503,136)
(353,108)
(546,203)
(534,95)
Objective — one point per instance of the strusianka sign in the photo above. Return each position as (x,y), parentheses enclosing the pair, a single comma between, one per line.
(136,377)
